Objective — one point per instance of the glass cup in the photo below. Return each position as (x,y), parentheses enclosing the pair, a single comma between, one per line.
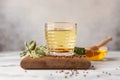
(60,38)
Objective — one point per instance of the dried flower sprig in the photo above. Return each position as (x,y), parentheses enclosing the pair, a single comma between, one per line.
(33,50)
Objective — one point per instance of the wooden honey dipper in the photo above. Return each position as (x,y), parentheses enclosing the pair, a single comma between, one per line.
(100,44)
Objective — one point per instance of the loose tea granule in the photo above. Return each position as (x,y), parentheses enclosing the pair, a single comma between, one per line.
(50,74)
(66,72)
(106,72)
(61,71)
(84,72)
(87,72)
(25,70)
(98,75)
(84,75)
(77,72)
(110,74)
(66,77)
(92,67)
(70,75)
(56,71)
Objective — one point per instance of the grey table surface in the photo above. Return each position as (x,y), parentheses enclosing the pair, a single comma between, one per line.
(108,69)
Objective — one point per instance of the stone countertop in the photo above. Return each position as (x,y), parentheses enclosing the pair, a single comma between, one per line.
(108,69)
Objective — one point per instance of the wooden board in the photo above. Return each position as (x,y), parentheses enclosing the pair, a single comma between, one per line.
(56,62)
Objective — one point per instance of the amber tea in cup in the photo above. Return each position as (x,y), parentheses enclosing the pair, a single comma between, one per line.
(60,38)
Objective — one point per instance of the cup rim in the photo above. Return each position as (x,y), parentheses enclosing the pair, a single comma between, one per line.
(60,22)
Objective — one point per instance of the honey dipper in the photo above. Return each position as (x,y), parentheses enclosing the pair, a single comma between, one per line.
(100,44)
(82,51)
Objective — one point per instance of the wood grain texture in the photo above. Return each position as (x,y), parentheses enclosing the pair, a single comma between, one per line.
(55,62)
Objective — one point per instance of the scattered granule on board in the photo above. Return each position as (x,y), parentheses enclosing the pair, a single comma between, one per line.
(70,75)
(61,71)
(83,71)
(50,74)
(106,72)
(66,72)
(77,72)
(84,75)
(25,70)
(66,77)
(73,72)
(87,72)
(109,74)
(93,68)
(98,75)
(56,71)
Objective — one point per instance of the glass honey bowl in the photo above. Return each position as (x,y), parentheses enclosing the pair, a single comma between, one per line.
(96,55)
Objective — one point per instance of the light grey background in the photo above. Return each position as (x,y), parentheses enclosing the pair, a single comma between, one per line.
(23,20)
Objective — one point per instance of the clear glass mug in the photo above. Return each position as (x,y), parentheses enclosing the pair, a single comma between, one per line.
(61,38)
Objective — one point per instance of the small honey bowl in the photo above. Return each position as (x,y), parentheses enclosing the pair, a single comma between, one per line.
(97,54)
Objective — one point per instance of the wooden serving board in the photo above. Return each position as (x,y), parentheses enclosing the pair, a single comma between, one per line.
(56,62)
